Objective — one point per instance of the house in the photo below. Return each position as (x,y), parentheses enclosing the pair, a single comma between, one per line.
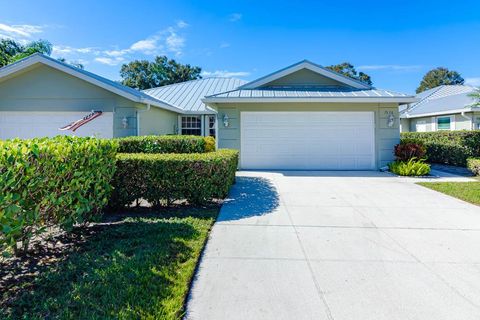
(447,107)
(304,116)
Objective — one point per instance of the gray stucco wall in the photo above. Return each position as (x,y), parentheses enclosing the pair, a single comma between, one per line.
(460,122)
(43,88)
(385,137)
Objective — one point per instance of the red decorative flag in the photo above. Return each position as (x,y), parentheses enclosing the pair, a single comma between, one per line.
(77,124)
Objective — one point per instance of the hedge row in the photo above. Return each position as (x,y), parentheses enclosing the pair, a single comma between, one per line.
(447,147)
(473,164)
(163,178)
(166,144)
(60,181)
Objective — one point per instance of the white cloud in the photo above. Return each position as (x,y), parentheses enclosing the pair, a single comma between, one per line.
(110,61)
(473,81)
(182,24)
(390,67)
(19,31)
(224,45)
(67,50)
(175,43)
(235,17)
(225,73)
(147,46)
(169,40)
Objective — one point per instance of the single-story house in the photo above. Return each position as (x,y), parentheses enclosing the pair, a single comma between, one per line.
(304,116)
(447,107)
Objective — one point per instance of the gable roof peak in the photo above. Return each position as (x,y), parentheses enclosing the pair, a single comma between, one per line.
(306,64)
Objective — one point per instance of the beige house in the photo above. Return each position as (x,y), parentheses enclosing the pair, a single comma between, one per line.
(301,117)
(447,107)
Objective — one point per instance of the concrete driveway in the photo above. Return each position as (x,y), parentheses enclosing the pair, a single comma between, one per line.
(339,245)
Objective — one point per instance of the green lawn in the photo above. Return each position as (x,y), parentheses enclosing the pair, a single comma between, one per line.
(135,268)
(467,191)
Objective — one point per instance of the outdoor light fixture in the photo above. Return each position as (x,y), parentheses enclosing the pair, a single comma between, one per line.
(390,118)
(124,122)
(225,121)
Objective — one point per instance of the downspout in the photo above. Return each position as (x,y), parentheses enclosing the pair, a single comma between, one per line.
(468,118)
(138,117)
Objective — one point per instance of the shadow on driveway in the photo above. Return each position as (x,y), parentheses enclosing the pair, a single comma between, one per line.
(249,197)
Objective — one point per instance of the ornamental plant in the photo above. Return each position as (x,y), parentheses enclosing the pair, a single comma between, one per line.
(408,150)
(51,182)
(412,167)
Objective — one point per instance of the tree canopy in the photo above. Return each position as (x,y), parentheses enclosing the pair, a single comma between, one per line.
(439,76)
(347,69)
(11,51)
(143,74)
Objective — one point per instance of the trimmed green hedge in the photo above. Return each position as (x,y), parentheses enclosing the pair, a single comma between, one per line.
(161,179)
(447,147)
(473,164)
(43,182)
(166,144)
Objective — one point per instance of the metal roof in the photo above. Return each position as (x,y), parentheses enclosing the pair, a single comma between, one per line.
(308,93)
(441,99)
(305,64)
(115,87)
(188,95)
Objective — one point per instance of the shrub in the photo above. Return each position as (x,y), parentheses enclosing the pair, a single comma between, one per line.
(43,182)
(209,144)
(165,144)
(473,164)
(408,150)
(164,178)
(447,147)
(412,167)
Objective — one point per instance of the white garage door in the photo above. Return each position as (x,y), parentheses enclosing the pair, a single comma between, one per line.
(308,140)
(27,125)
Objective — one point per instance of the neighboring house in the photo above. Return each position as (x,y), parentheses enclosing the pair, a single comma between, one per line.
(447,107)
(302,117)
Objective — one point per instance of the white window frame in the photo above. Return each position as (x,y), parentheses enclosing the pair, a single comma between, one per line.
(452,123)
(204,124)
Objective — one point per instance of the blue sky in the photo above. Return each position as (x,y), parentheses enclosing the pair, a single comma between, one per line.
(396,42)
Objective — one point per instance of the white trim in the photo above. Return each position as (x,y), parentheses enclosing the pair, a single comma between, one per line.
(305,64)
(455,111)
(84,75)
(322,99)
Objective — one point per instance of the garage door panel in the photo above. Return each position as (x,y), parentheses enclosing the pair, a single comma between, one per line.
(307,140)
(26,125)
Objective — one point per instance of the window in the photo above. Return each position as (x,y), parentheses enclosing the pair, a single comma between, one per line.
(421,126)
(211,125)
(191,125)
(444,123)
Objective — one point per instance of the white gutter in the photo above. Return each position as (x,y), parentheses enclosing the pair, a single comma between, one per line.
(438,113)
(138,117)
(320,99)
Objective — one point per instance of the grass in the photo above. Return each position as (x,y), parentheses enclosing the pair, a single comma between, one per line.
(134,268)
(467,191)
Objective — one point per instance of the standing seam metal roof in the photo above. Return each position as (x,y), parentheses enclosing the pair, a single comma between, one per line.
(441,99)
(306,92)
(188,95)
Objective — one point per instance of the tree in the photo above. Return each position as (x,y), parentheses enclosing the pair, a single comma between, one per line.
(439,76)
(143,74)
(11,51)
(476,97)
(40,46)
(347,69)
(73,63)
